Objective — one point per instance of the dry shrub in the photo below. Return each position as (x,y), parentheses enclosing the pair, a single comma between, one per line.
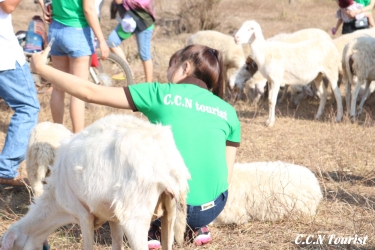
(197,15)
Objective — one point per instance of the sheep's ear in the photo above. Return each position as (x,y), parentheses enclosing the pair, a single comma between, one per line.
(8,240)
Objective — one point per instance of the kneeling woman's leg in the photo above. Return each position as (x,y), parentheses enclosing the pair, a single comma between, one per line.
(198,217)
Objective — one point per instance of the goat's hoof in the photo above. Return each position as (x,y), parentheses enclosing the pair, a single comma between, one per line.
(269,123)
(352,119)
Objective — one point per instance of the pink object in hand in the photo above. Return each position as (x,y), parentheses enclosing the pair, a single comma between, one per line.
(333,31)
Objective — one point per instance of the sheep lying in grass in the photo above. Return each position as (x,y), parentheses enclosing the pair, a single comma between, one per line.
(358,59)
(103,174)
(233,54)
(44,141)
(257,85)
(299,63)
(270,191)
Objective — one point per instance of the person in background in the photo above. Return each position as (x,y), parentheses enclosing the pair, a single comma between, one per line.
(70,25)
(206,129)
(138,17)
(18,90)
(350,14)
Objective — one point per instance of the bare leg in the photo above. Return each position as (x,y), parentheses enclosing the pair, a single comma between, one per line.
(118,51)
(148,68)
(57,96)
(78,67)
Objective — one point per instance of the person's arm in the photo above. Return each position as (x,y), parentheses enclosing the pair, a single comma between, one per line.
(9,6)
(76,86)
(339,22)
(231,156)
(93,20)
(353,13)
(47,15)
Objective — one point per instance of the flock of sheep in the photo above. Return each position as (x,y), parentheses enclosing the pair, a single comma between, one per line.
(75,179)
(304,60)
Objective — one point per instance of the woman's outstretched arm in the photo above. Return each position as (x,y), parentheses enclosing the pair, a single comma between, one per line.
(78,87)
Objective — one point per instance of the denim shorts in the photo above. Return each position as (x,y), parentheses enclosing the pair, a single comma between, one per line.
(71,41)
(197,217)
(143,42)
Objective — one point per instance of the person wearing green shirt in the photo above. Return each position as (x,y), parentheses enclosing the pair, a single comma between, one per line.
(368,6)
(206,129)
(70,24)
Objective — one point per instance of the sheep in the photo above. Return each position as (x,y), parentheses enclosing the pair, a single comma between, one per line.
(358,59)
(233,54)
(270,191)
(340,43)
(298,91)
(44,141)
(101,174)
(298,63)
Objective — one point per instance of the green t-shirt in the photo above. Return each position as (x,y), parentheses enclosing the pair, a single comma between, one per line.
(363,2)
(69,13)
(210,122)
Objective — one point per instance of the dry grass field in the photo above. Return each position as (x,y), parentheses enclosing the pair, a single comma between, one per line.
(340,154)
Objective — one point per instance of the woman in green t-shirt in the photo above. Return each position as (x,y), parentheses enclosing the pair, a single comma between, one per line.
(350,27)
(206,129)
(71,24)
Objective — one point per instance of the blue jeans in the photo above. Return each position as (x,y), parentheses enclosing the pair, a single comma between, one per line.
(197,218)
(17,88)
(143,42)
(71,41)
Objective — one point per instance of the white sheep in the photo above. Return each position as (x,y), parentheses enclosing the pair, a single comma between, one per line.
(118,169)
(299,63)
(270,191)
(44,141)
(358,59)
(298,92)
(233,54)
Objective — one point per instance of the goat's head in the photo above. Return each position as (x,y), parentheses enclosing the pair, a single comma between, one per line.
(248,32)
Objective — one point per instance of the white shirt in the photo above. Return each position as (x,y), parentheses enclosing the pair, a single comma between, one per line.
(10,50)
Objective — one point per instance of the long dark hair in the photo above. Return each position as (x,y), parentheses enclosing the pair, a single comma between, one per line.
(207,63)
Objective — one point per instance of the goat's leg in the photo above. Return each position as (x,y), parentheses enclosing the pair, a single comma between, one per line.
(347,95)
(117,235)
(86,222)
(284,95)
(136,231)
(333,82)
(354,100)
(323,95)
(168,221)
(274,87)
(364,98)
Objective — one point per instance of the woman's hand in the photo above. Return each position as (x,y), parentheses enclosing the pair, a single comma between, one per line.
(104,49)
(39,60)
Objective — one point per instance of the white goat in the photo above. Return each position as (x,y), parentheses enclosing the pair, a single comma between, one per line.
(44,141)
(299,63)
(298,92)
(358,59)
(119,169)
(270,191)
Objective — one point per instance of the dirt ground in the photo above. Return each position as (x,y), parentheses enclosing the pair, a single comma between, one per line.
(340,154)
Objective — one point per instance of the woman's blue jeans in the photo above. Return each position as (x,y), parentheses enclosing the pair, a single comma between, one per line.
(198,217)
(17,88)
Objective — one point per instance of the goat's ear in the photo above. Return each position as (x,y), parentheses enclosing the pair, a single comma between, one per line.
(8,240)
